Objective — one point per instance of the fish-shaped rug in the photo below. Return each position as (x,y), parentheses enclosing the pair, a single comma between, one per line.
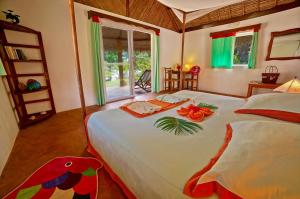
(62,177)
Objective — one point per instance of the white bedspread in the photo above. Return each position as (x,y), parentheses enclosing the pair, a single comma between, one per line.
(154,164)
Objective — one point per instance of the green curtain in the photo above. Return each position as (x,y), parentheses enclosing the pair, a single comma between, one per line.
(252,56)
(96,38)
(2,70)
(221,52)
(156,69)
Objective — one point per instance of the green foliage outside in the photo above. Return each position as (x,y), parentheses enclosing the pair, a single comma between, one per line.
(142,62)
(236,59)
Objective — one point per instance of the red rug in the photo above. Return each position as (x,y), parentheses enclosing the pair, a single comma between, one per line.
(62,177)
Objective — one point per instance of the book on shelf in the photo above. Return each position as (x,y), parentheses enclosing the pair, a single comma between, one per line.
(15,54)
(10,52)
(21,54)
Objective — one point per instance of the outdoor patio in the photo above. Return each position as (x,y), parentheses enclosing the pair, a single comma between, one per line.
(120,92)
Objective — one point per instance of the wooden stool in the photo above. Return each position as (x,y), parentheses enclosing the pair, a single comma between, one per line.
(172,79)
(175,80)
(191,83)
(168,78)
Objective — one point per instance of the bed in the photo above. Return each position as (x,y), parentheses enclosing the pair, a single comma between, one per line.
(151,163)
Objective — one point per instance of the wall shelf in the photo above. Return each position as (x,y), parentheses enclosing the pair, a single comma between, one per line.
(26,118)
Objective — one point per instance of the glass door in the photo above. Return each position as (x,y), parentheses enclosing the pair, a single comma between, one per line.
(118,69)
(142,62)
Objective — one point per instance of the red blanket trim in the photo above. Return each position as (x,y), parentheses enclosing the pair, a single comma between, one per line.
(165,106)
(195,190)
(111,173)
(281,115)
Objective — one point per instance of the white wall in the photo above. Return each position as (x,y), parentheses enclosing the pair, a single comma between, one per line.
(8,126)
(53,20)
(169,48)
(235,81)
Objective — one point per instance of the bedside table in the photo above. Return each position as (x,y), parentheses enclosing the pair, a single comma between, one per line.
(257,84)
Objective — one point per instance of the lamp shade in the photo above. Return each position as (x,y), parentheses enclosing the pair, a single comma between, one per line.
(2,70)
(292,86)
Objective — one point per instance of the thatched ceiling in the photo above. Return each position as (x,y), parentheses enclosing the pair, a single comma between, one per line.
(240,11)
(118,39)
(150,11)
(154,12)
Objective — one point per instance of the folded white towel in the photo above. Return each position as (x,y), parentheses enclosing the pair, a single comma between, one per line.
(143,107)
(170,98)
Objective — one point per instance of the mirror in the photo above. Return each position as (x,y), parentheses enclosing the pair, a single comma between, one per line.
(284,45)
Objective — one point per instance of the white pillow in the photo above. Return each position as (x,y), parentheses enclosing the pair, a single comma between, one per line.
(283,106)
(261,161)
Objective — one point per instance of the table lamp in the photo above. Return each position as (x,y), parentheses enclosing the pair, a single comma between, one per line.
(292,86)
(187,67)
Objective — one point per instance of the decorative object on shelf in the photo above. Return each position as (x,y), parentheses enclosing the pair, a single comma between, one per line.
(178,67)
(292,86)
(43,112)
(178,126)
(33,117)
(33,85)
(22,86)
(10,16)
(270,75)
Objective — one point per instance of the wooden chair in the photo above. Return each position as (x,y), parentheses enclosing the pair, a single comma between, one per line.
(191,82)
(144,82)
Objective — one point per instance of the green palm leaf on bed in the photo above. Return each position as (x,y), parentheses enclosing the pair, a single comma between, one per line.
(178,126)
(210,106)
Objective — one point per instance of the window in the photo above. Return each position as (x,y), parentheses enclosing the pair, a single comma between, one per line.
(235,47)
(242,48)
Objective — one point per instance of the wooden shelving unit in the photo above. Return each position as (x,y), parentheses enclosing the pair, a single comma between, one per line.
(25,117)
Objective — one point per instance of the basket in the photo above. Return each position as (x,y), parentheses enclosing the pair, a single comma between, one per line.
(270,75)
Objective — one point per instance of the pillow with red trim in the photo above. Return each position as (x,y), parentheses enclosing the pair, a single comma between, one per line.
(254,164)
(282,106)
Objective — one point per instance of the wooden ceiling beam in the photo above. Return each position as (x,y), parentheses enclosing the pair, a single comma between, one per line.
(182,50)
(117,19)
(171,14)
(127,8)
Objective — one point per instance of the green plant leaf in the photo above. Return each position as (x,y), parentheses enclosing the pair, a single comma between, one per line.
(210,106)
(177,126)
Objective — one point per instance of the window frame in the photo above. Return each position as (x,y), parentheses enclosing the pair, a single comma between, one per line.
(241,34)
